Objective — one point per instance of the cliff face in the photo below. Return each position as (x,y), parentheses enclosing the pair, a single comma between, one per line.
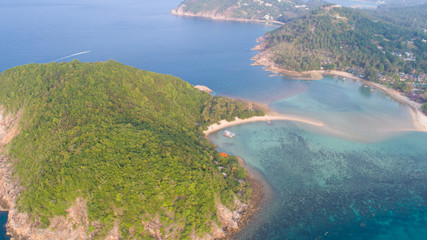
(75,225)
(8,187)
(20,225)
(126,141)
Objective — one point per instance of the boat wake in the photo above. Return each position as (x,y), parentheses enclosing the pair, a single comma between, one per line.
(72,55)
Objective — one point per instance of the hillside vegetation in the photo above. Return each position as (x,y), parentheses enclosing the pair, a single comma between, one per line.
(347,39)
(128,141)
(265,10)
(410,17)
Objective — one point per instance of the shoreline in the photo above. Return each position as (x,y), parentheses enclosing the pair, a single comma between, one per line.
(419,119)
(263,59)
(261,195)
(266,118)
(211,16)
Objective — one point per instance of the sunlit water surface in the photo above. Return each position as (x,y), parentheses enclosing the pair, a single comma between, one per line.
(331,188)
(357,177)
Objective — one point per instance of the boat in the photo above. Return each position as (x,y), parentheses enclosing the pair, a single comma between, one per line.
(229,134)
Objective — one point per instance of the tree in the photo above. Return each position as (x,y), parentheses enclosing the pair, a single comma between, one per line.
(120,138)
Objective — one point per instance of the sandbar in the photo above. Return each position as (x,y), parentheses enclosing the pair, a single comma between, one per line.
(267,118)
(419,119)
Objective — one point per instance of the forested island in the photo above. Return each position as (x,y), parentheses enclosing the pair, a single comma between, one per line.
(103,150)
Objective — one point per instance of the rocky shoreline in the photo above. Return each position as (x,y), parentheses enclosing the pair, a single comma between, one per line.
(22,225)
(235,221)
(261,195)
(75,225)
(213,16)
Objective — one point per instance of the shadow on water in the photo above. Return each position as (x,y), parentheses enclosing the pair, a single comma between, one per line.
(3,220)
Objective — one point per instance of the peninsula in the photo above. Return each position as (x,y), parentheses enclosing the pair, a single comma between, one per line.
(107,151)
(338,38)
(320,39)
(347,42)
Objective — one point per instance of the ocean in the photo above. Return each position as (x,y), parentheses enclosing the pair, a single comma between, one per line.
(359,177)
(3,220)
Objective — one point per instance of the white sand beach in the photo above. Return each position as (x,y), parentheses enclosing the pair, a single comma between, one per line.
(418,117)
(224,123)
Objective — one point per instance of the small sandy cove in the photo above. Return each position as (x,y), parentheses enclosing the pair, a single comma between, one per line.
(267,118)
(418,117)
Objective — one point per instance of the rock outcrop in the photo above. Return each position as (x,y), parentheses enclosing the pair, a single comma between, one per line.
(203,88)
(230,219)
(23,226)
(75,224)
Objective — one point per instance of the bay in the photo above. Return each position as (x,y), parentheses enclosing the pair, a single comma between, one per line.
(358,177)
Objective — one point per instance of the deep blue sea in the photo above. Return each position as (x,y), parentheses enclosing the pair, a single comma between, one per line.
(358,177)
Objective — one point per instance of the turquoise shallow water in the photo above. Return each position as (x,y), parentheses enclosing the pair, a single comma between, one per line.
(330,188)
(348,107)
(356,178)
